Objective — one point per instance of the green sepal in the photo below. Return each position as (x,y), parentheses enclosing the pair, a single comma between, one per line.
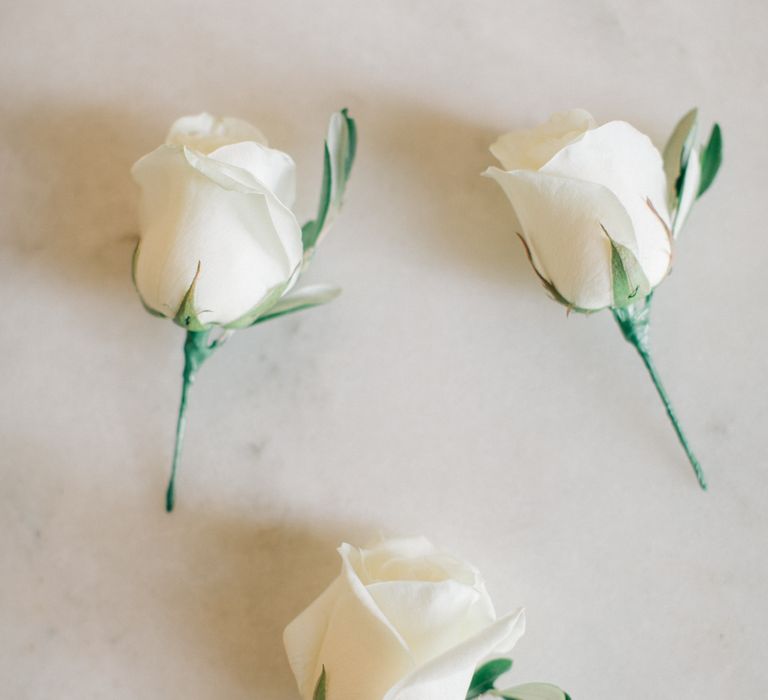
(134,261)
(306,298)
(320,688)
(485,677)
(338,159)
(186,315)
(711,159)
(630,284)
(532,691)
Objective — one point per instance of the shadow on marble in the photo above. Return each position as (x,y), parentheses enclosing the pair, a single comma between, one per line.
(245,582)
(68,176)
(188,605)
(436,158)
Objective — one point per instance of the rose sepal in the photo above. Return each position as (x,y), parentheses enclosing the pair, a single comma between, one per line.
(321,687)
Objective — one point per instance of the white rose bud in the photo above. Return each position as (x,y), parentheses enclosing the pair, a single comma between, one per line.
(402,621)
(218,237)
(592,206)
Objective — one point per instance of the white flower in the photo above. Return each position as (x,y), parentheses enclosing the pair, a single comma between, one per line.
(592,205)
(218,237)
(402,621)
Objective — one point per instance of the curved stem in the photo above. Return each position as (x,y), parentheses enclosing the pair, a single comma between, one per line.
(637,338)
(181,422)
(196,351)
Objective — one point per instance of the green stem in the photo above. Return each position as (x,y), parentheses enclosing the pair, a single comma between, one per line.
(636,335)
(196,351)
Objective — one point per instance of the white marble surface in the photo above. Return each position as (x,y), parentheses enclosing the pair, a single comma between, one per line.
(442,394)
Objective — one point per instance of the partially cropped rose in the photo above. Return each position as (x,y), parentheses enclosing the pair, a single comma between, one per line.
(215,213)
(403,621)
(591,202)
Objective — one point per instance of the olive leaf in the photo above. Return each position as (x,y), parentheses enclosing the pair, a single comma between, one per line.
(254,315)
(690,169)
(532,691)
(320,688)
(301,299)
(486,676)
(711,159)
(338,158)
(677,152)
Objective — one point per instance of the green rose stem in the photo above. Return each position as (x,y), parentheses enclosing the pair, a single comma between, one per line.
(196,351)
(633,321)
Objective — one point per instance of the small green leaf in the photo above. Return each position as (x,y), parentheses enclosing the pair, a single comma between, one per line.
(301,299)
(338,158)
(532,691)
(310,232)
(351,150)
(630,285)
(347,150)
(676,153)
(688,187)
(711,159)
(271,298)
(320,688)
(485,677)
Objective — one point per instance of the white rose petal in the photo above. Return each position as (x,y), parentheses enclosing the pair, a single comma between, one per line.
(529,149)
(619,157)
(572,185)
(227,212)
(206,133)
(561,222)
(402,622)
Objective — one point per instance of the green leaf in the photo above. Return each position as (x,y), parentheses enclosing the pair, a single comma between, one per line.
(320,688)
(485,677)
(304,298)
(254,314)
(676,153)
(338,159)
(532,691)
(711,159)
(630,285)
(351,149)
(310,232)
(688,187)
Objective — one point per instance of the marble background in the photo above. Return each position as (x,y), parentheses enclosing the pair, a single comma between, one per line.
(442,394)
